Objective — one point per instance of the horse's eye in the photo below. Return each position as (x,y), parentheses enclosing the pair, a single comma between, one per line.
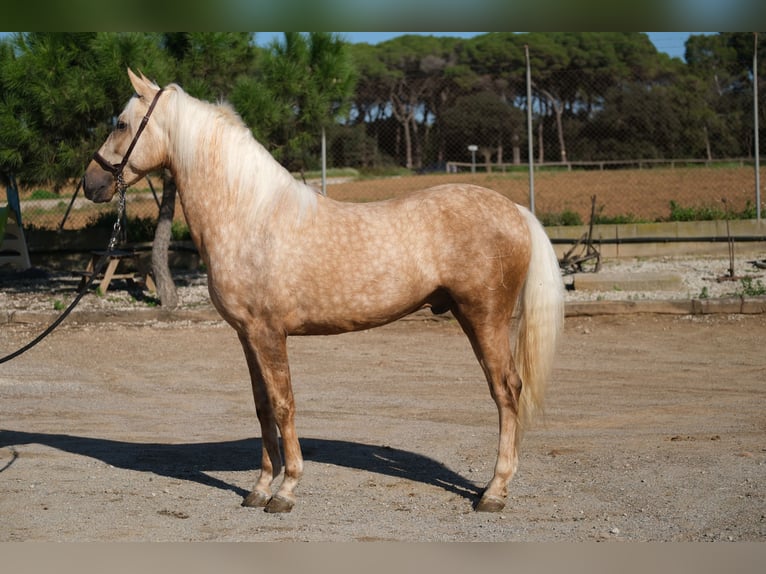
(120,126)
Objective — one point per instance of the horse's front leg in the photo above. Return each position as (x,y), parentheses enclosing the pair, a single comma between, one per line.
(271,459)
(270,376)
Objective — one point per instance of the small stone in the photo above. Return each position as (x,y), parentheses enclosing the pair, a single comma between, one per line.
(615,531)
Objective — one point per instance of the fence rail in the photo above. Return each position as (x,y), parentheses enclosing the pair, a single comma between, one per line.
(458,166)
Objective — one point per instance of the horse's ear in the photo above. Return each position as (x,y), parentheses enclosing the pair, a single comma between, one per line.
(143,86)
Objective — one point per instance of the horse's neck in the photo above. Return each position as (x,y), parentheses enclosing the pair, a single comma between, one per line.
(223,198)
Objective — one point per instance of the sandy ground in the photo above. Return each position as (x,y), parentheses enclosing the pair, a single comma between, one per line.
(654,432)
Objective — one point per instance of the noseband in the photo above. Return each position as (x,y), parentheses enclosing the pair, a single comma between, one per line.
(116,168)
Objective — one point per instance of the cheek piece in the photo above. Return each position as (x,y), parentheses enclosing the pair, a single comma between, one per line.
(116,168)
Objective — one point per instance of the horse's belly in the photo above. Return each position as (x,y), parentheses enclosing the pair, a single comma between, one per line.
(341,310)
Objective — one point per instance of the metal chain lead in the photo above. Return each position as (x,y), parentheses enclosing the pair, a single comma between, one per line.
(121,188)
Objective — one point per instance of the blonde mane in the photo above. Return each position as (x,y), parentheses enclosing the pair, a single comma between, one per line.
(215,145)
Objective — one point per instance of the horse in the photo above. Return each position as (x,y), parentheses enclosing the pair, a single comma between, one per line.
(283,260)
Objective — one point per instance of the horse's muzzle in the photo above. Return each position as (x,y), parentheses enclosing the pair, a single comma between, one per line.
(98,185)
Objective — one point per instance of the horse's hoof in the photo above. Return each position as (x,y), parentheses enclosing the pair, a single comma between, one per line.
(279,504)
(490,503)
(256,499)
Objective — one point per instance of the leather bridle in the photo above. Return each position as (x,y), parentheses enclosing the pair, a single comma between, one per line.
(116,168)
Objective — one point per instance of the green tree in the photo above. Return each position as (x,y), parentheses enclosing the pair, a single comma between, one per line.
(573,71)
(370,107)
(208,64)
(481,119)
(572,76)
(304,83)
(723,63)
(414,73)
(59,95)
(49,92)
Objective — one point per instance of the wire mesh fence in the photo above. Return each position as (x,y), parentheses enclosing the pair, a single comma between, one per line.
(653,192)
(648,149)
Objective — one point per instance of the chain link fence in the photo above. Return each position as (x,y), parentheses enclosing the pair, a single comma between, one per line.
(646,156)
(638,193)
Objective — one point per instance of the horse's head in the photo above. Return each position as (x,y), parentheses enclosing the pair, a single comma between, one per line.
(134,148)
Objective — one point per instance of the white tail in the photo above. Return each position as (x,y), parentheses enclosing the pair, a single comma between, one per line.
(541,320)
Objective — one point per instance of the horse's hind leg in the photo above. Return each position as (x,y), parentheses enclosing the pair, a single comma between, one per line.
(270,377)
(490,339)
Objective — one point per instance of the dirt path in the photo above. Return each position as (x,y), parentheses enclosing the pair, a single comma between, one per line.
(655,431)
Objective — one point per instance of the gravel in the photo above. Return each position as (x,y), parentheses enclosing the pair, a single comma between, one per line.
(702,277)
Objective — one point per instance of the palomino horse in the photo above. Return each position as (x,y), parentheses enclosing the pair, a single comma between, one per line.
(283,260)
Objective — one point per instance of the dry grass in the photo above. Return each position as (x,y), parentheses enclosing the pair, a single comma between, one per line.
(643,193)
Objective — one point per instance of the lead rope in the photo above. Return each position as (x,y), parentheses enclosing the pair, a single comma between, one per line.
(121,187)
(116,171)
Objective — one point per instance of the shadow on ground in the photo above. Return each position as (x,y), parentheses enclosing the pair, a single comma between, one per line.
(192,461)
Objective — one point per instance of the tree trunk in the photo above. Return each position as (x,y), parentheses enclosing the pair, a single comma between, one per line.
(558,110)
(407,143)
(560,130)
(417,151)
(166,288)
(487,153)
(404,114)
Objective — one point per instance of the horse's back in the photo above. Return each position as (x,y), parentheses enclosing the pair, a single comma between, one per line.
(459,237)
(443,227)
(462,212)
(470,225)
(471,208)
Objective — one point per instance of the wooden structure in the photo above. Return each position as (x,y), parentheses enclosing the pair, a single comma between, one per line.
(13,244)
(115,259)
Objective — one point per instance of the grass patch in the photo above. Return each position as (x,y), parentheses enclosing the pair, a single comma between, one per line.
(708,212)
(43,194)
(331,172)
(565,218)
(677,213)
(618,219)
(751,287)
(384,172)
(180,231)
